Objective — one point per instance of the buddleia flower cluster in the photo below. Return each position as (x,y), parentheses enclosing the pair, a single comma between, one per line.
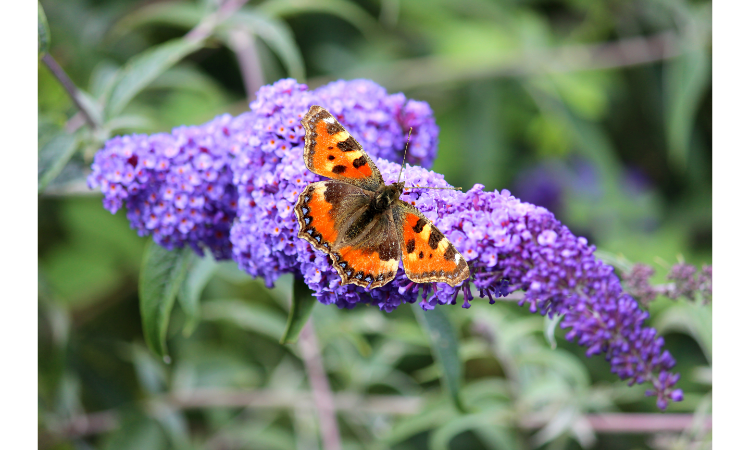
(255,160)
(175,186)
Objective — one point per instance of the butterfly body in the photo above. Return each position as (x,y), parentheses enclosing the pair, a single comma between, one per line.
(361,222)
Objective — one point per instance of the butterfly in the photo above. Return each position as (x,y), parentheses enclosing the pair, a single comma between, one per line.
(361,222)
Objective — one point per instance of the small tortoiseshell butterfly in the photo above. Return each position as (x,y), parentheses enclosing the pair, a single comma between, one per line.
(359,221)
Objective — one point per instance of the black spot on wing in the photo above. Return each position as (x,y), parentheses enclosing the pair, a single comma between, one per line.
(388,250)
(338,169)
(333,128)
(331,157)
(421,255)
(359,162)
(348,145)
(410,246)
(435,238)
(419,225)
(450,252)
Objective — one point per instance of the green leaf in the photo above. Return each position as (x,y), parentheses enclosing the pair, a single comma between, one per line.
(54,155)
(43,29)
(162,274)
(302,305)
(144,68)
(691,319)
(128,122)
(442,436)
(174,14)
(197,277)
(424,421)
(444,344)
(345,10)
(686,79)
(248,316)
(135,432)
(276,34)
(561,363)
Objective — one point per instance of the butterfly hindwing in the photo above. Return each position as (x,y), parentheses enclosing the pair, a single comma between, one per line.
(318,208)
(326,210)
(427,254)
(332,152)
(372,263)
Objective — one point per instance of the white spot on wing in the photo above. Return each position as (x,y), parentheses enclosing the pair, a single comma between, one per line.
(328,119)
(457,258)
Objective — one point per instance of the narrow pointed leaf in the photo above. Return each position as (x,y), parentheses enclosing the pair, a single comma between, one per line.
(162,275)
(276,34)
(54,155)
(43,29)
(686,79)
(444,344)
(345,10)
(248,316)
(197,277)
(144,68)
(302,305)
(173,14)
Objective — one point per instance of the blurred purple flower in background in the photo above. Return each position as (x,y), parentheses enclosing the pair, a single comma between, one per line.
(511,245)
(542,185)
(685,279)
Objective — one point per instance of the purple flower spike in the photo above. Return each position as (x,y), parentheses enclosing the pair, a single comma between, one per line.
(254,161)
(177,187)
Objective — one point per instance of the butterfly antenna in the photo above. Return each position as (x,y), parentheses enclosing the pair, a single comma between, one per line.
(408,138)
(429,187)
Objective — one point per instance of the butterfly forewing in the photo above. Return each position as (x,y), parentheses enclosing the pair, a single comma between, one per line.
(330,151)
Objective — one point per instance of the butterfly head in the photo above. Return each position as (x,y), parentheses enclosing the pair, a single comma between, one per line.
(387,195)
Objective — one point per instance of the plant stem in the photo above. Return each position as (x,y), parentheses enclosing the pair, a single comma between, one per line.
(68,85)
(108,420)
(321,390)
(435,70)
(243,45)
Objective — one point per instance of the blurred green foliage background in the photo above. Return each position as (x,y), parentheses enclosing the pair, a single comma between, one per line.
(599,111)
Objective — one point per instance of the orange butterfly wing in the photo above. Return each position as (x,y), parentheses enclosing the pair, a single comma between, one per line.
(325,209)
(332,152)
(427,254)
